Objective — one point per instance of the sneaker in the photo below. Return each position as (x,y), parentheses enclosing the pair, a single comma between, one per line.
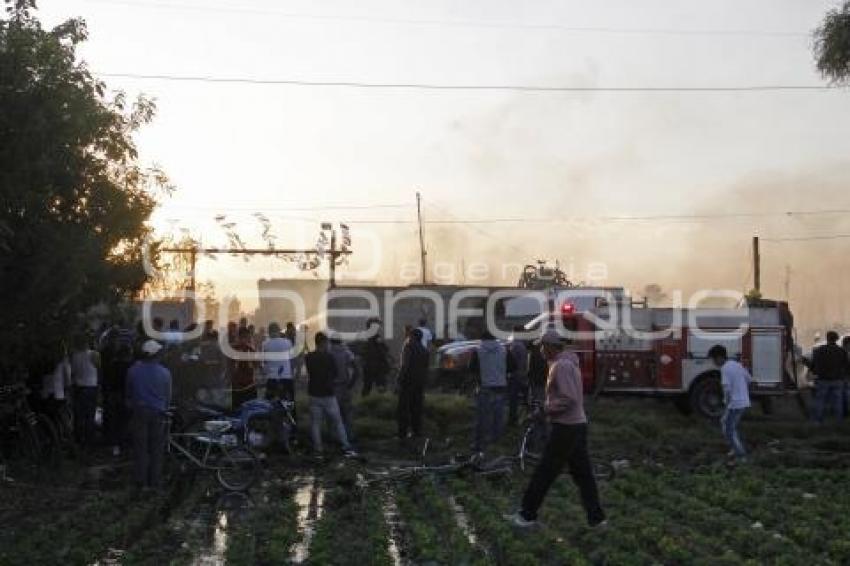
(599,524)
(517,520)
(116,451)
(350,453)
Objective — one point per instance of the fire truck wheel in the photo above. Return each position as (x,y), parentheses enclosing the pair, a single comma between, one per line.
(707,395)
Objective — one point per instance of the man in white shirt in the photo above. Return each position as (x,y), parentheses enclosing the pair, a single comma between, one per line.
(735,380)
(277,354)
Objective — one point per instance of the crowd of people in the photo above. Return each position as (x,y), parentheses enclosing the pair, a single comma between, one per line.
(130,375)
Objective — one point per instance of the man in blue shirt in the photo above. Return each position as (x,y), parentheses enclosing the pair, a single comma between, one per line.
(148,398)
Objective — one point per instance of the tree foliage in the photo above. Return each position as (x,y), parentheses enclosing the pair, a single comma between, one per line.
(832,44)
(74,199)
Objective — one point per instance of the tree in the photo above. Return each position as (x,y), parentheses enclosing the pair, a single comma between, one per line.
(832,44)
(74,199)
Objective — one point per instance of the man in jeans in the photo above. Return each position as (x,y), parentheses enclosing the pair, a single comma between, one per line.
(491,362)
(321,374)
(735,380)
(567,444)
(518,378)
(830,364)
(148,398)
(347,371)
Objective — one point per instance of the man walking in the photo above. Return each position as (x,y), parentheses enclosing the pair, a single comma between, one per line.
(567,444)
(735,380)
(148,398)
(321,374)
(492,363)
(411,385)
(830,365)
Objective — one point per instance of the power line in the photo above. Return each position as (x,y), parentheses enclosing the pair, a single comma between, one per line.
(806,238)
(533,220)
(531,26)
(468,87)
(263,208)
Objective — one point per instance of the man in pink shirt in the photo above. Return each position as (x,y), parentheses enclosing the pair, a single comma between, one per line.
(567,444)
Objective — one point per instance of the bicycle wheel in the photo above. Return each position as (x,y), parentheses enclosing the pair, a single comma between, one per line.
(261,432)
(237,468)
(532,443)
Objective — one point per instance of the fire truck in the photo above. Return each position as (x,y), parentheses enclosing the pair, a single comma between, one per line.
(629,348)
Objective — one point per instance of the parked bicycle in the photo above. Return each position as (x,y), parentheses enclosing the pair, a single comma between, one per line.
(215,448)
(23,432)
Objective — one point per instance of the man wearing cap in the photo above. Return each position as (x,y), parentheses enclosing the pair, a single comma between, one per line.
(148,398)
(567,444)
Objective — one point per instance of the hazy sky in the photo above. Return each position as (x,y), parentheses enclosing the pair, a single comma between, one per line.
(488,154)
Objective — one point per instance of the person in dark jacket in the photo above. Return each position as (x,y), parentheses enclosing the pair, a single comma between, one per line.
(831,365)
(376,362)
(117,357)
(411,385)
(538,370)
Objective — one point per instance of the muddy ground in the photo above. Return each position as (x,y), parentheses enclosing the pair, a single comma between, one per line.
(673,500)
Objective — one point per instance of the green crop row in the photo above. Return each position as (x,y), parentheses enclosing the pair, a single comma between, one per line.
(431,528)
(352,530)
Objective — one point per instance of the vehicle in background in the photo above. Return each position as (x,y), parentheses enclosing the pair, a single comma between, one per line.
(628,348)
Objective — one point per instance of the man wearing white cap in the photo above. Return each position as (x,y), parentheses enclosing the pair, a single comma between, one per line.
(148,398)
(567,444)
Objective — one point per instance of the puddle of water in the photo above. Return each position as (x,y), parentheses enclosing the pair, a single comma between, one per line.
(310,498)
(217,551)
(393,520)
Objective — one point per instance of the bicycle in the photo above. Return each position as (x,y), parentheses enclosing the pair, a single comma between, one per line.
(216,449)
(535,437)
(28,434)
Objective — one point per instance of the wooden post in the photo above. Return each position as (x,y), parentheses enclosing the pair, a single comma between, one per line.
(332,276)
(421,236)
(756,265)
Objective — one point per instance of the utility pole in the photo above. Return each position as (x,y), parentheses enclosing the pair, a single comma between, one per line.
(332,275)
(421,236)
(787,283)
(193,262)
(756,265)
